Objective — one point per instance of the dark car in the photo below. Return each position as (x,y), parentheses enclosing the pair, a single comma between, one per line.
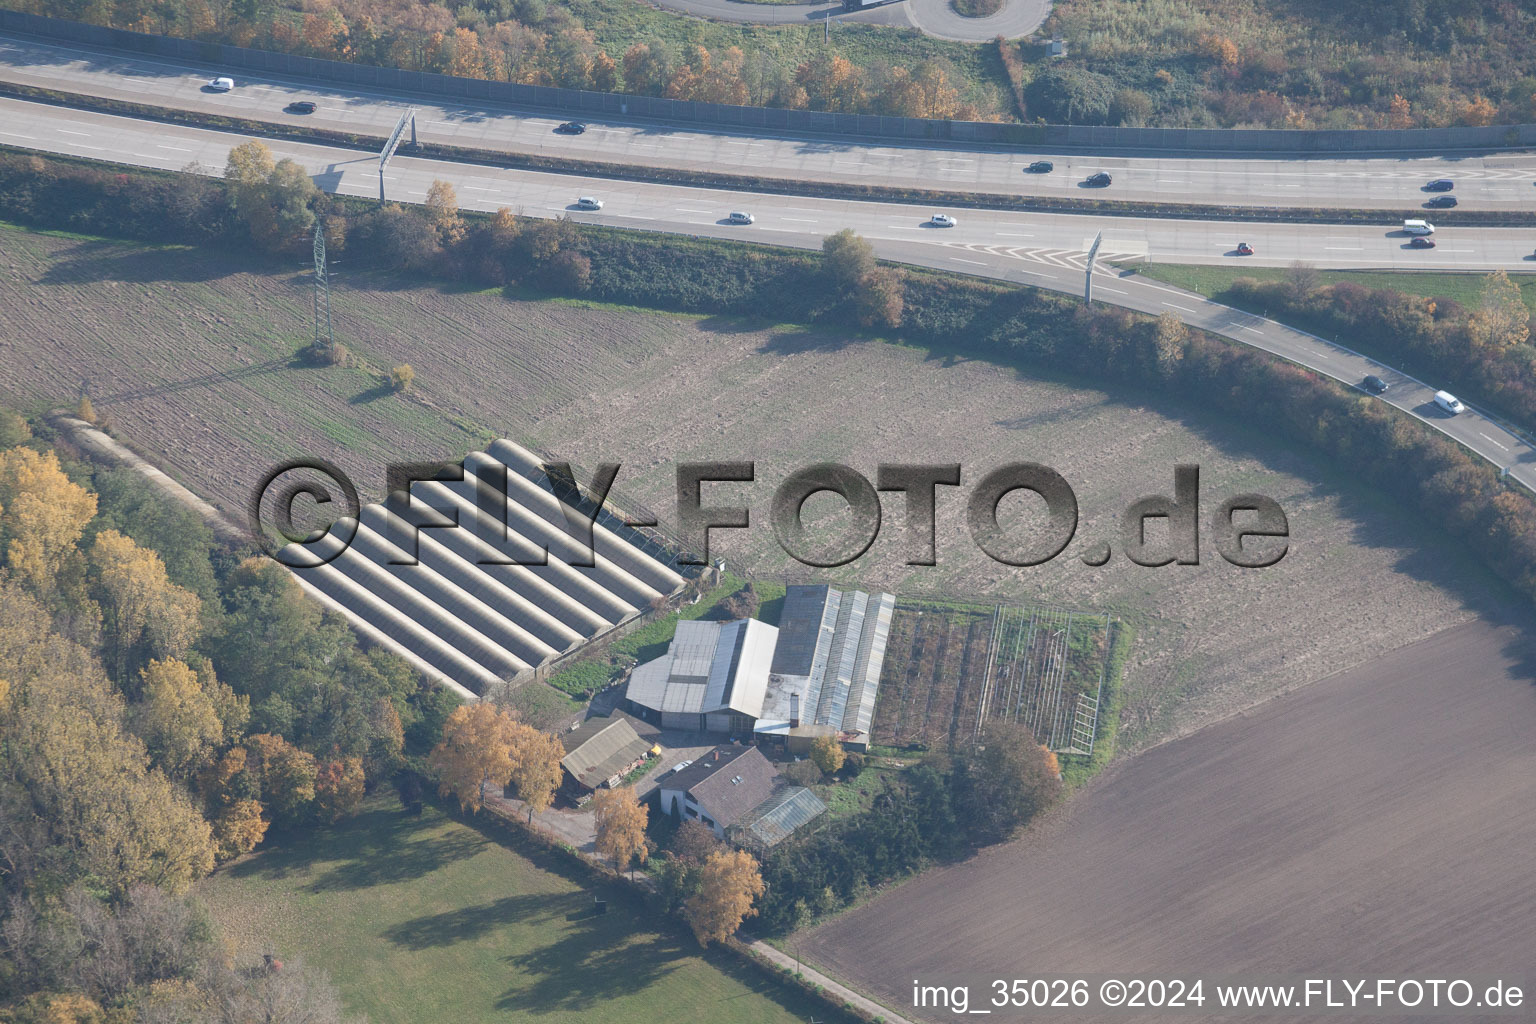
(1099,180)
(1441,202)
(1244,249)
(570,128)
(1041,167)
(1421,242)
(1374,384)
(301,107)
(1440,185)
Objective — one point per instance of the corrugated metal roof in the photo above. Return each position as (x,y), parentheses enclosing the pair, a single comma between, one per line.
(611,750)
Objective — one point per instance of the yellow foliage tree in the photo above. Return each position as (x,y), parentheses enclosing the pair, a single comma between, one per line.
(339,788)
(828,754)
(476,751)
(1501,320)
(536,770)
(443,209)
(139,603)
(620,819)
(238,828)
(42,514)
(176,720)
(729,882)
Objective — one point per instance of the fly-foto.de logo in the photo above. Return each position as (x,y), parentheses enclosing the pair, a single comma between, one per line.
(1248,530)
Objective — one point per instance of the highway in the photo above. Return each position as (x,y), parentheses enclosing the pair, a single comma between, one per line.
(1492,181)
(1039,250)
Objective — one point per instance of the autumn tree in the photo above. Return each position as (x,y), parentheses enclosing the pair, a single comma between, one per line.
(174,717)
(693,842)
(237,828)
(475,751)
(536,769)
(86,411)
(620,819)
(339,788)
(827,753)
(287,775)
(1003,781)
(402,377)
(848,259)
(42,514)
(443,211)
(729,882)
(1168,342)
(1501,320)
(880,299)
(143,611)
(273,199)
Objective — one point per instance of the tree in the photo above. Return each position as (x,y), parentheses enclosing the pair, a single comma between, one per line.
(693,842)
(86,411)
(1501,320)
(1169,341)
(287,775)
(249,165)
(176,720)
(42,514)
(881,298)
(827,753)
(339,788)
(620,820)
(1302,281)
(536,768)
(443,210)
(1004,781)
(729,882)
(400,238)
(13,429)
(273,199)
(402,377)
(848,259)
(142,609)
(237,828)
(476,751)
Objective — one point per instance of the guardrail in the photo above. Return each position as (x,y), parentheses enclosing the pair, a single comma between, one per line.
(565,102)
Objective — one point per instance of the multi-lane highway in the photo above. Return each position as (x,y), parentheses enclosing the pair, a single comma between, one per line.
(1042,250)
(1491,181)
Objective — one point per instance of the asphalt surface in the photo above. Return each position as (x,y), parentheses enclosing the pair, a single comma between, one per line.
(1043,251)
(1493,181)
(1016,19)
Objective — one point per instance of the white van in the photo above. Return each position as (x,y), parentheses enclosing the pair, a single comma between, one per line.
(1418,227)
(1449,402)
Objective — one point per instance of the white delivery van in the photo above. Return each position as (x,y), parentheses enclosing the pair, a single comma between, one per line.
(1418,227)
(1449,402)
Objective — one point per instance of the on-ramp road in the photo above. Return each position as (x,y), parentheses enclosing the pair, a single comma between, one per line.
(1016,19)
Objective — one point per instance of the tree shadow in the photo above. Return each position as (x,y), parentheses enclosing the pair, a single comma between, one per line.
(807,339)
(468,923)
(93,261)
(373,394)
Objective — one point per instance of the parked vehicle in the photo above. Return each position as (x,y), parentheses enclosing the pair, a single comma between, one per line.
(1440,185)
(588,203)
(1244,249)
(1374,384)
(740,217)
(1041,167)
(1099,179)
(1449,402)
(221,84)
(1418,227)
(942,220)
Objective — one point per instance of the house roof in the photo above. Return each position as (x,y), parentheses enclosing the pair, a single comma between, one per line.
(604,753)
(775,819)
(735,786)
(597,723)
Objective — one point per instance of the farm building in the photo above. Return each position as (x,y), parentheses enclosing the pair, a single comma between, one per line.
(731,789)
(505,590)
(817,672)
(601,751)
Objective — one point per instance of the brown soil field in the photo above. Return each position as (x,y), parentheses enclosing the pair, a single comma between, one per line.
(1377,823)
(930,684)
(189,354)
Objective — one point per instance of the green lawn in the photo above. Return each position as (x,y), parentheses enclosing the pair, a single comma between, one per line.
(1212,282)
(428,919)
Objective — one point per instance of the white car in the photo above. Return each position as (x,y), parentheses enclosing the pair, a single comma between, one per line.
(738,217)
(943,220)
(588,203)
(221,84)
(1449,402)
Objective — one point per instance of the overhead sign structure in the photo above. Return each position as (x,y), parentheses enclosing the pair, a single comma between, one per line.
(1093,251)
(393,143)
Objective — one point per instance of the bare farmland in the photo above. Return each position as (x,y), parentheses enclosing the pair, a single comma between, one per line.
(1378,823)
(189,354)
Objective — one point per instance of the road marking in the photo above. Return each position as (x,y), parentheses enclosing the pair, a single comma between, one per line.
(1107,288)
(1006,234)
(481,188)
(977,263)
(1255,330)
(179,149)
(1455,250)
(1490,440)
(685,209)
(66,131)
(1343,248)
(799,220)
(15,135)
(95,149)
(1177,306)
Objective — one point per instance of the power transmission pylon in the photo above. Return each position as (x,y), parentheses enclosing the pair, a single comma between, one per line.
(325,341)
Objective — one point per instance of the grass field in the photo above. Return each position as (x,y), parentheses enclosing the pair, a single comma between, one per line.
(427,919)
(1213,282)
